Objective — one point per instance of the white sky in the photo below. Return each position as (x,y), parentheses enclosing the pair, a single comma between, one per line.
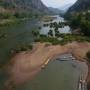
(57,3)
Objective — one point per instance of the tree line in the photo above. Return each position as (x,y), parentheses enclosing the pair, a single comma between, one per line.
(82,21)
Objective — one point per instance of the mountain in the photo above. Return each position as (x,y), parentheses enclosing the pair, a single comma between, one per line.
(55,10)
(80,5)
(61,10)
(65,7)
(23,5)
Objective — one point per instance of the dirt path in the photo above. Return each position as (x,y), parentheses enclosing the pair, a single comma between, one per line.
(24,66)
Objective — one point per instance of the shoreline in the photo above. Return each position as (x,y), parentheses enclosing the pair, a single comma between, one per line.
(28,64)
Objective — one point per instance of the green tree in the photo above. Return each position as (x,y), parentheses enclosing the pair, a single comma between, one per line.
(35,32)
(50,33)
(57,34)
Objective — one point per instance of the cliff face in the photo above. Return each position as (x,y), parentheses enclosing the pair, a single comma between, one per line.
(37,4)
(20,5)
(80,5)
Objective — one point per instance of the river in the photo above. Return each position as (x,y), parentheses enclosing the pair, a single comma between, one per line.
(15,35)
(58,75)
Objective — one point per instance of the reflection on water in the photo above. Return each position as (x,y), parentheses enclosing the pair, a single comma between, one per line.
(57,75)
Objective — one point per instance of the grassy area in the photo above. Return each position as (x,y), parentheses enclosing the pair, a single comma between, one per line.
(8,18)
(42,39)
(66,39)
(21,48)
(8,22)
(13,21)
(79,38)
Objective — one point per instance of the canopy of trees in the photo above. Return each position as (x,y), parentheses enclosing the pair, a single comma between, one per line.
(82,20)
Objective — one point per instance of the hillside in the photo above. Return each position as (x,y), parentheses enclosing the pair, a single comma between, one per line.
(23,5)
(55,10)
(80,5)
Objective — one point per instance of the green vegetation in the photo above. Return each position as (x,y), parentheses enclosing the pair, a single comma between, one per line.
(9,22)
(6,15)
(81,20)
(75,22)
(57,34)
(78,38)
(21,48)
(43,38)
(66,38)
(50,33)
(8,18)
(35,33)
(56,25)
(9,15)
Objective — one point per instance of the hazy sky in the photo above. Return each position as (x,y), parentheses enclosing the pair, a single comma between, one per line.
(57,3)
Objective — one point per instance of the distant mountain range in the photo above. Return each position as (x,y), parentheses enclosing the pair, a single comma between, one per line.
(61,10)
(65,7)
(37,6)
(55,10)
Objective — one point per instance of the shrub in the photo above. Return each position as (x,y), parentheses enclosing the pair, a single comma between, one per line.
(35,32)
(22,48)
(5,15)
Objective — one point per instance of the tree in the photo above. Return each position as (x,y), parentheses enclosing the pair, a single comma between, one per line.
(50,33)
(57,34)
(35,33)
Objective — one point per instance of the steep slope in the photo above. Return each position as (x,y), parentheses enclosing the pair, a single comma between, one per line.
(66,7)
(80,5)
(23,5)
(55,10)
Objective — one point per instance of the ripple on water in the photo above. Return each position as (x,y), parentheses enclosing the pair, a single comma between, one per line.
(57,75)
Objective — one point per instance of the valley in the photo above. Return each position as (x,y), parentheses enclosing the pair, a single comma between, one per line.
(43,49)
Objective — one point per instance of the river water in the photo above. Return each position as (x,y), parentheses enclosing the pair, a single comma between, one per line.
(15,35)
(58,75)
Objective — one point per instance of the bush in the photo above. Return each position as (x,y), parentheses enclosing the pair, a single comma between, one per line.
(22,48)
(6,15)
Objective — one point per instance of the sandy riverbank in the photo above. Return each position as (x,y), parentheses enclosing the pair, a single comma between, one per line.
(24,66)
